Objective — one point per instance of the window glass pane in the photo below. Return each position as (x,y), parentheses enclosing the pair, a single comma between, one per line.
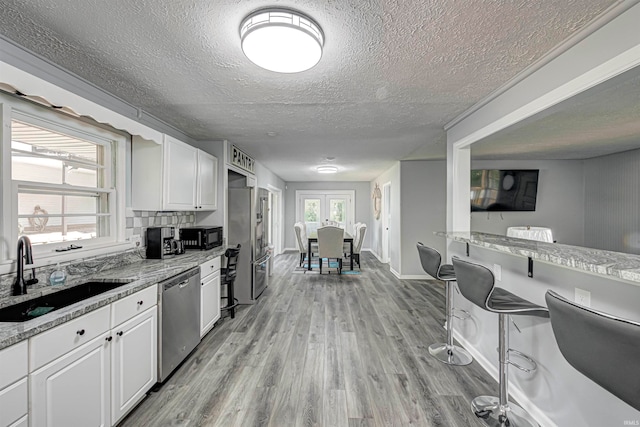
(82,177)
(59,229)
(311,210)
(336,210)
(50,218)
(41,155)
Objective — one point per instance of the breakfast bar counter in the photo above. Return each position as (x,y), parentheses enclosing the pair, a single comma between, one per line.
(556,394)
(614,265)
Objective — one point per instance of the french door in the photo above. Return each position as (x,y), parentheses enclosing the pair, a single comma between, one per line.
(317,207)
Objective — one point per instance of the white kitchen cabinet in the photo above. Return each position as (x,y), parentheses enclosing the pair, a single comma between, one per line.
(210,295)
(134,368)
(93,369)
(207,182)
(73,390)
(180,175)
(13,385)
(172,176)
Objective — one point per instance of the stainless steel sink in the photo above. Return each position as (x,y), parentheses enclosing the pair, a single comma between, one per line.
(36,307)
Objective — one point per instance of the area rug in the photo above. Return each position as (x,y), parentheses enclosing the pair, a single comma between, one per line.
(332,269)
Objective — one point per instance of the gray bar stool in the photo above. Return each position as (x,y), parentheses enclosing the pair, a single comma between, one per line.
(476,282)
(603,347)
(444,352)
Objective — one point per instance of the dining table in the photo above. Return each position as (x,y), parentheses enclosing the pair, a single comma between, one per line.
(313,238)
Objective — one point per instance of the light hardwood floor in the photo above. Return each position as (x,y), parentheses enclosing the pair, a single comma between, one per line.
(326,350)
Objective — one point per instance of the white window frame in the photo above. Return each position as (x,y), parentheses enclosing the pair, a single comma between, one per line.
(115,143)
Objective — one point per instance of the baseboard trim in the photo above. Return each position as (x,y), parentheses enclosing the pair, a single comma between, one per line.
(492,369)
(395,273)
(415,277)
(375,254)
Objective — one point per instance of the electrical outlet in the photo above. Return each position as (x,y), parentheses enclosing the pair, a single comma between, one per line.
(583,297)
(136,239)
(497,272)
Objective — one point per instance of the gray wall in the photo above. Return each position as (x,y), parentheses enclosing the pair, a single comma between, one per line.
(560,203)
(612,202)
(362,205)
(424,203)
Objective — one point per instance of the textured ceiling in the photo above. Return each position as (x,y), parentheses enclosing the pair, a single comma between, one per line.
(392,74)
(600,121)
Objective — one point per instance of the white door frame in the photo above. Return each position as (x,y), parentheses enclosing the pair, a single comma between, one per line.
(351,197)
(386,216)
(276,222)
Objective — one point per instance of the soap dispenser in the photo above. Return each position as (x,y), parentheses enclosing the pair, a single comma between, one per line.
(58,276)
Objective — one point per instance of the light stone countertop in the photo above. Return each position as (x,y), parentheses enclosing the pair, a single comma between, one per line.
(140,274)
(615,265)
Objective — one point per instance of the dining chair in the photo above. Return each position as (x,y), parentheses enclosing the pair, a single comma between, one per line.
(301,240)
(357,242)
(330,243)
(347,246)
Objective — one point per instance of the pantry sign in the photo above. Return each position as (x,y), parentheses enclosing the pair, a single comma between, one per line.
(242,160)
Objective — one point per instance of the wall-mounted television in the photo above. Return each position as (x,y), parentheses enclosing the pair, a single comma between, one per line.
(501,190)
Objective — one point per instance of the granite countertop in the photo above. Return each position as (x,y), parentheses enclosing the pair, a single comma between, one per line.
(615,265)
(137,276)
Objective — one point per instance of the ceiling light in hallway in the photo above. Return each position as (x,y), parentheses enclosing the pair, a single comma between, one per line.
(327,169)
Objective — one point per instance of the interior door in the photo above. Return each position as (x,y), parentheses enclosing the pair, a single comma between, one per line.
(314,209)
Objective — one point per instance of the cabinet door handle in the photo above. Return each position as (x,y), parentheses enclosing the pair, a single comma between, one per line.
(80,332)
(119,333)
(140,302)
(109,338)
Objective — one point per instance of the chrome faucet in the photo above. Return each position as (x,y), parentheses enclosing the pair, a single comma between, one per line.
(25,256)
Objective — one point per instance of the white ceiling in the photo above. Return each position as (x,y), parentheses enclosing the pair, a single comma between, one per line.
(602,120)
(393,72)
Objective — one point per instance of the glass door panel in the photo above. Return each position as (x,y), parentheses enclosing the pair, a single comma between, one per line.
(337,211)
(312,213)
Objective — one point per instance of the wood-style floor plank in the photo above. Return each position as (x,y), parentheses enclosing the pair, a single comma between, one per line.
(330,350)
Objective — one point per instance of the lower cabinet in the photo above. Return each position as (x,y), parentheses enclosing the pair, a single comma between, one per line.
(73,390)
(96,383)
(14,404)
(209,295)
(134,368)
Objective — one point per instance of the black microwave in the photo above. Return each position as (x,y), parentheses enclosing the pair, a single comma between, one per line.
(201,237)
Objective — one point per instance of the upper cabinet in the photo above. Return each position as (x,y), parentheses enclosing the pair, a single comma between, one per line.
(206,182)
(172,176)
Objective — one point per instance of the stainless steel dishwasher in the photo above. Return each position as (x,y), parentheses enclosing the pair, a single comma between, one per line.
(179,320)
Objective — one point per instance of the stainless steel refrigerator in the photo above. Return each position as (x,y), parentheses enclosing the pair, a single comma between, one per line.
(247,210)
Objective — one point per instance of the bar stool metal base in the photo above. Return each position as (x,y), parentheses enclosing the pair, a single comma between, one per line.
(488,411)
(450,354)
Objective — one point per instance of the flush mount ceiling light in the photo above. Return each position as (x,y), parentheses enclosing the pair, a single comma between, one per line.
(281,40)
(327,169)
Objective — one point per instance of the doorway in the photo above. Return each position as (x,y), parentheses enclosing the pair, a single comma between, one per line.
(275,220)
(332,206)
(386,220)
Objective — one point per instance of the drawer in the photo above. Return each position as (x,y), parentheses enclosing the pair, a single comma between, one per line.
(126,308)
(13,403)
(55,342)
(209,267)
(14,362)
